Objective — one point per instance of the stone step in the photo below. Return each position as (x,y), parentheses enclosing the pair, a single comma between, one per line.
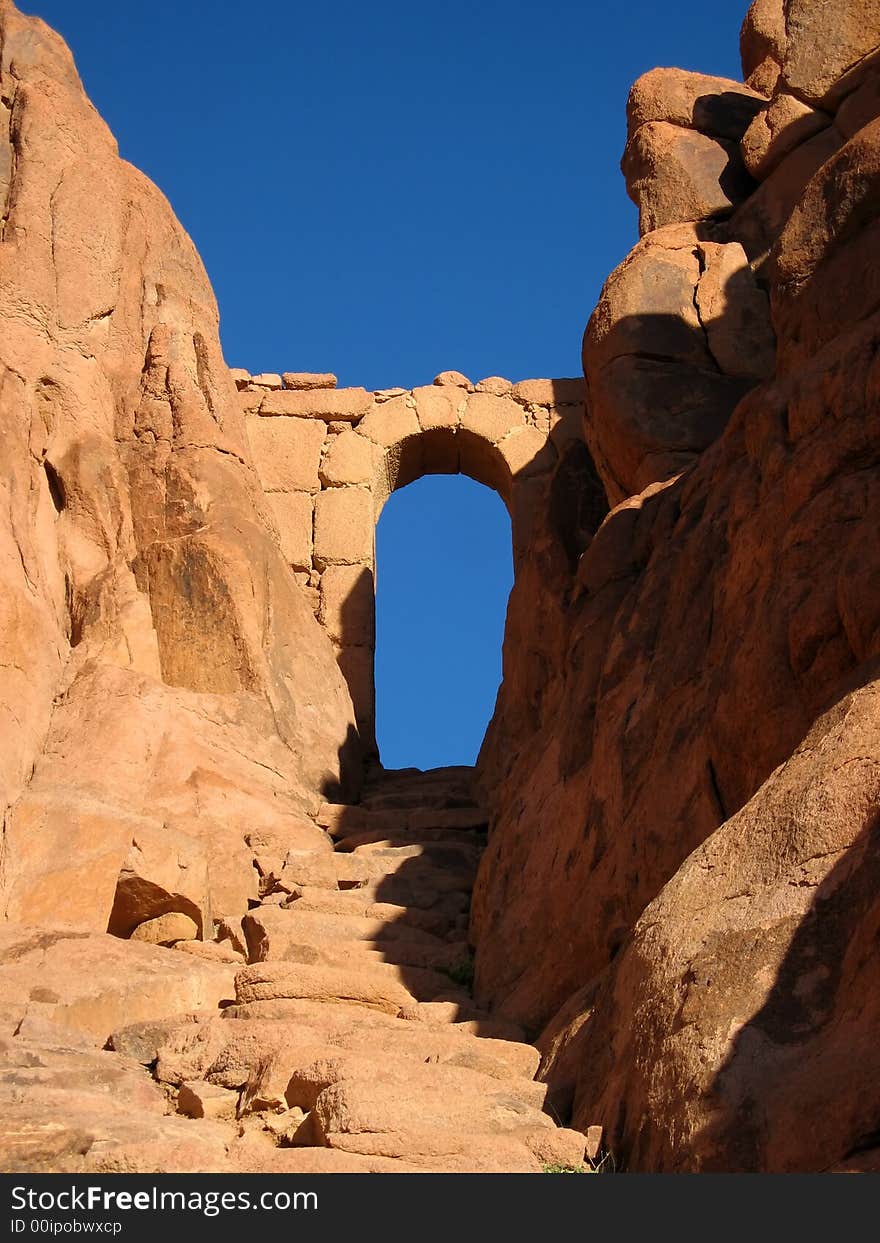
(298,1075)
(252,1154)
(437,918)
(446,1151)
(250,1028)
(344,820)
(395,850)
(399,1113)
(424,983)
(270,929)
(347,870)
(413,778)
(349,1043)
(361,986)
(450,955)
(468,1016)
(439,797)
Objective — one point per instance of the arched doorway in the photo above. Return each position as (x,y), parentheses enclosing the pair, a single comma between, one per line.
(329,459)
(444,570)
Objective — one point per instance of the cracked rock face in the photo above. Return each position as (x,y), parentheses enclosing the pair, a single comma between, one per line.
(680,881)
(756,972)
(681,333)
(159,668)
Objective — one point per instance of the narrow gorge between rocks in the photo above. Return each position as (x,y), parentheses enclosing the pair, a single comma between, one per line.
(640,934)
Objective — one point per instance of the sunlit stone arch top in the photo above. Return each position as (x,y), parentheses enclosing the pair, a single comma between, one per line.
(329,458)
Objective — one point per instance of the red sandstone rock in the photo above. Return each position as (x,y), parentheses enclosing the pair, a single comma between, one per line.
(752,973)
(662,385)
(782,126)
(759,221)
(830,235)
(824,44)
(762,44)
(93,984)
(137,556)
(715,619)
(454,378)
(674,174)
(718,107)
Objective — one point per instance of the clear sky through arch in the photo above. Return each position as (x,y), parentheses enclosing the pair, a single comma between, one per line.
(444,569)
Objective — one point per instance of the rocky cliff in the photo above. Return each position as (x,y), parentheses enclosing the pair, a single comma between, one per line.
(165,691)
(679,882)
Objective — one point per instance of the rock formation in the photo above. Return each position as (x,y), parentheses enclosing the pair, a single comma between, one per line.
(678,883)
(164,688)
(230,940)
(184,627)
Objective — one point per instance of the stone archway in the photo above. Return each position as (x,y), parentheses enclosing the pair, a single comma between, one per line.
(329,458)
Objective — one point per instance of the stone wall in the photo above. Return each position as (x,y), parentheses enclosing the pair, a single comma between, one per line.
(329,458)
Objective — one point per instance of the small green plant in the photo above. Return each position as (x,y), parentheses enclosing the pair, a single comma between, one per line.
(462,973)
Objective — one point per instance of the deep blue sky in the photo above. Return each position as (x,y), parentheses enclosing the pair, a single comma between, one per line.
(392,189)
(444,570)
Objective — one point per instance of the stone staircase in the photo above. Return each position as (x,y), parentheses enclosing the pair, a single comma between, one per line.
(353,1043)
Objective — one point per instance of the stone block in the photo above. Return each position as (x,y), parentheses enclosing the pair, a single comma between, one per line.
(335,816)
(308,379)
(293,517)
(349,404)
(496,385)
(198,1099)
(165,929)
(566,392)
(491,418)
(594,1142)
(437,406)
(719,107)
(391,423)
(287,453)
(250,399)
(267,379)
(675,174)
(343,527)
(349,459)
(347,610)
(527,452)
(240,377)
(452,377)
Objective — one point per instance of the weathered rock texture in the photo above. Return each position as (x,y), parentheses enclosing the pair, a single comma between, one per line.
(349,1042)
(164,687)
(187,554)
(682,850)
(678,897)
